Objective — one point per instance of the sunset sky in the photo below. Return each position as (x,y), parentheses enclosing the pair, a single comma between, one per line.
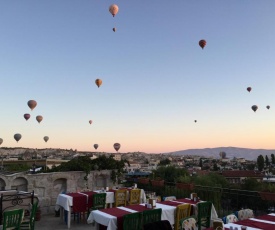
(156,78)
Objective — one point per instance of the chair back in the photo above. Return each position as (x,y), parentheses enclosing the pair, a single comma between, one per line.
(120,197)
(182,211)
(204,214)
(158,225)
(99,201)
(12,219)
(169,198)
(245,214)
(134,196)
(188,223)
(152,215)
(218,225)
(33,214)
(132,221)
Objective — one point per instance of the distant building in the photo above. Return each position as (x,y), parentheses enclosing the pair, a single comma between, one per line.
(117,157)
(238,176)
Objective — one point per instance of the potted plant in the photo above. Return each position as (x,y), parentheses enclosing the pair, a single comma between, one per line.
(143,180)
(185,183)
(158,182)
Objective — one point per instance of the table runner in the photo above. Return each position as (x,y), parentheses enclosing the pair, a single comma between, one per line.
(184,200)
(255,224)
(267,217)
(171,203)
(79,202)
(137,207)
(118,213)
(90,198)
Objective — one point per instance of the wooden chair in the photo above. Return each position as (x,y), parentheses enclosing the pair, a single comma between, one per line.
(134,196)
(182,211)
(188,223)
(28,223)
(132,221)
(204,214)
(152,215)
(12,219)
(99,201)
(120,197)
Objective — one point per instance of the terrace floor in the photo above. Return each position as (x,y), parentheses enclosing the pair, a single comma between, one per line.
(51,222)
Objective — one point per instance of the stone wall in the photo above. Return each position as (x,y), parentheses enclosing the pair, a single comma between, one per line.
(47,186)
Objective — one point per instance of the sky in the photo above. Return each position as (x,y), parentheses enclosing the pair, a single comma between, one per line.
(156,78)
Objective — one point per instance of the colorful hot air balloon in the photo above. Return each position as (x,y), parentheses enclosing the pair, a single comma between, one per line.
(17,136)
(39,118)
(1,141)
(249,89)
(46,138)
(32,104)
(95,146)
(90,121)
(254,108)
(268,107)
(202,43)
(113,9)
(27,116)
(116,146)
(98,82)
(114,29)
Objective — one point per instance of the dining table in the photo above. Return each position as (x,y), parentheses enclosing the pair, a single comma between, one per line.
(112,218)
(78,202)
(263,222)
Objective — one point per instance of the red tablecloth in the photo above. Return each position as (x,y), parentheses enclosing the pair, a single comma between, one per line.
(90,198)
(79,202)
(184,200)
(118,213)
(256,224)
(267,217)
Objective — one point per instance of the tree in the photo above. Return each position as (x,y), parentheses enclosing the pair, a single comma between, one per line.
(200,162)
(266,160)
(272,158)
(215,167)
(260,162)
(164,162)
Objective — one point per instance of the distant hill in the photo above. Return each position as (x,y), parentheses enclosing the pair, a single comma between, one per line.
(231,152)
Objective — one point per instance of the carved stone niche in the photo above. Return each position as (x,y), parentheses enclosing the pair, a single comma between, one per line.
(101,180)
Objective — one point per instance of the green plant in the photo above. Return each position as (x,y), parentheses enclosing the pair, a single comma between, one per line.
(184,179)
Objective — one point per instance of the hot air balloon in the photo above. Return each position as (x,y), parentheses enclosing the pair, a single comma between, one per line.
(254,108)
(39,118)
(195,121)
(95,146)
(249,89)
(222,154)
(46,138)
(114,29)
(27,116)
(17,136)
(90,121)
(116,146)
(202,43)
(113,9)
(32,104)
(1,141)
(268,107)
(98,82)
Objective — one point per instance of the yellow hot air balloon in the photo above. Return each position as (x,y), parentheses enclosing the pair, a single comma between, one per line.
(113,9)
(98,82)
(39,118)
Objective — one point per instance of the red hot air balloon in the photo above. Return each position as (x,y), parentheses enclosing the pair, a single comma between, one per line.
(254,108)
(113,9)
(249,89)
(27,116)
(98,82)
(202,43)
(116,146)
(32,104)
(39,118)
(90,121)
(95,146)
(268,107)
(17,136)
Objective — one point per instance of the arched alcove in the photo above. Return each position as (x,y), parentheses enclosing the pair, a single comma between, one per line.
(59,186)
(2,184)
(20,183)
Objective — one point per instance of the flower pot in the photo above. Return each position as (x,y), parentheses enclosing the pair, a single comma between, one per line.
(157,183)
(185,186)
(143,180)
(267,196)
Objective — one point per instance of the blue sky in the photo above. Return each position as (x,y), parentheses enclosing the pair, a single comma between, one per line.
(156,78)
